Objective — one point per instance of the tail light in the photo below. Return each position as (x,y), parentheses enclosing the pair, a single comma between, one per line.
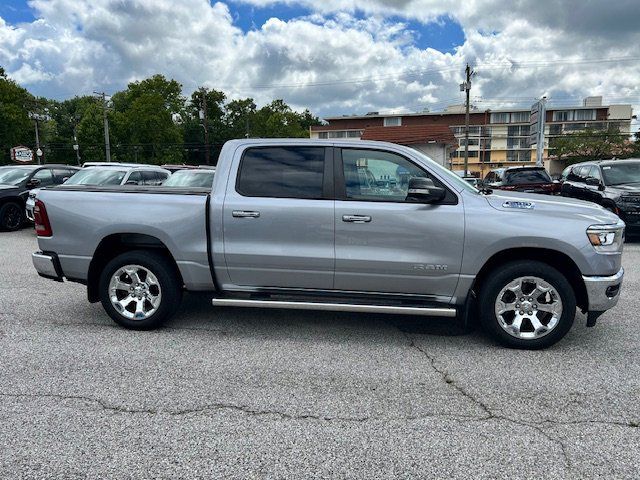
(41,220)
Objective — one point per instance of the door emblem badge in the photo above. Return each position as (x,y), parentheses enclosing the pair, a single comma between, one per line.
(429,266)
(519,204)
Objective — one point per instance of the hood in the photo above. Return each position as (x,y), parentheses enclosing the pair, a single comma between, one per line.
(4,187)
(552,206)
(631,188)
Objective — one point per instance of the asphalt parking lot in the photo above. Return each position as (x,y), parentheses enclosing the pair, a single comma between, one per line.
(233,393)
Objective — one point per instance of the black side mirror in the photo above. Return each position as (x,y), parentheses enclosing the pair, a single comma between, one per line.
(423,190)
(593,182)
(33,183)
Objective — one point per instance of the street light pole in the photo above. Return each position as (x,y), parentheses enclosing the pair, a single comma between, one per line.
(107,145)
(467,87)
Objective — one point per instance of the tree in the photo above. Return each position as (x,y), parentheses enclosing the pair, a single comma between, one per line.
(15,126)
(591,145)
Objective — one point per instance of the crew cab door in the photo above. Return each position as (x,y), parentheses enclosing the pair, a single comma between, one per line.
(386,244)
(278,218)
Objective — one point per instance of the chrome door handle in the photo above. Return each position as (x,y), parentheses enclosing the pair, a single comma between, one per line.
(356,218)
(245,214)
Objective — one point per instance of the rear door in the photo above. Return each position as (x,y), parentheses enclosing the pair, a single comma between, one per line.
(386,244)
(592,192)
(278,218)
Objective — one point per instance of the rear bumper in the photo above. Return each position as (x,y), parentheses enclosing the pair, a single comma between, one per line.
(603,292)
(47,265)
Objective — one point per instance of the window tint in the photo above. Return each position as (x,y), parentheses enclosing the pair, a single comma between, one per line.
(282,172)
(150,177)
(519,177)
(135,177)
(378,176)
(44,176)
(583,172)
(60,174)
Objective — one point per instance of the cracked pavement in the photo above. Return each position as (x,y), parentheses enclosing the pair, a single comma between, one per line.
(244,393)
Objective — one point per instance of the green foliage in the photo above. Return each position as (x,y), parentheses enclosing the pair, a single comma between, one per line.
(591,145)
(150,121)
(15,126)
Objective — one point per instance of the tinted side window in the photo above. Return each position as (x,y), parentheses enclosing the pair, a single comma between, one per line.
(150,177)
(583,173)
(282,172)
(135,177)
(44,176)
(60,174)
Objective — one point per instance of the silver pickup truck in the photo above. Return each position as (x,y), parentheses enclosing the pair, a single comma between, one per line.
(350,226)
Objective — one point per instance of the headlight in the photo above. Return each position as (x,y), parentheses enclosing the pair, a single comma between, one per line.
(606,238)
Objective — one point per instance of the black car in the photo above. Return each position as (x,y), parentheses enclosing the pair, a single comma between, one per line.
(614,184)
(15,183)
(530,179)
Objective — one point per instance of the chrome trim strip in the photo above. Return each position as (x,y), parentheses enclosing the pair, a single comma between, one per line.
(335,307)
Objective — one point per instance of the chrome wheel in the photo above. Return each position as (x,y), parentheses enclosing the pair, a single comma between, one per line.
(135,292)
(528,308)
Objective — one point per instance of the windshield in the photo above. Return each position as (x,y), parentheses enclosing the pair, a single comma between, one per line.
(621,174)
(13,176)
(518,177)
(190,179)
(97,176)
(451,177)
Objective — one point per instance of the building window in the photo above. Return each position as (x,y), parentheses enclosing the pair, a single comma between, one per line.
(563,115)
(585,114)
(354,133)
(323,134)
(555,129)
(519,156)
(518,131)
(485,156)
(502,117)
(338,134)
(520,117)
(472,141)
(392,121)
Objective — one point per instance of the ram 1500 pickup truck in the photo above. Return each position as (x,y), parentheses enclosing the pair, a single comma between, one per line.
(329,225)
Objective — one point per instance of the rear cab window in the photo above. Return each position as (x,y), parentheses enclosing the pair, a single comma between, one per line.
(282,172)
(538,175)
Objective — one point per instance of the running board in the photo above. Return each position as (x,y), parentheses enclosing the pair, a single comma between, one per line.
(335,307)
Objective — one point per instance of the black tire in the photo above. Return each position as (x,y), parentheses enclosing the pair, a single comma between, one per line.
(168,279)
(11,217)
(508,273)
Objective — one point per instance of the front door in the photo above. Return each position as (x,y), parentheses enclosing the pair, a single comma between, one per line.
(385,243)
(278,218)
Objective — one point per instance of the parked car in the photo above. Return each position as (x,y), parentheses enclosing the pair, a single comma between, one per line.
(299,224)
(15,183)
(475,181)
(528,179)
(614,184)
(107,174)
(191,178)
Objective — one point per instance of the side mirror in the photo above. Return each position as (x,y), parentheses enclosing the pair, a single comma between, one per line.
(33,183)
(593,182)
(423,190)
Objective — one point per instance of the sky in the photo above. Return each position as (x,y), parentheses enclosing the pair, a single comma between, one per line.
(334,57)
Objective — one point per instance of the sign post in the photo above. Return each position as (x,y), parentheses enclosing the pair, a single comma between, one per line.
(536,128)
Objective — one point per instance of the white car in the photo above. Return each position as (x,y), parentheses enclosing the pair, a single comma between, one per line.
(116,174)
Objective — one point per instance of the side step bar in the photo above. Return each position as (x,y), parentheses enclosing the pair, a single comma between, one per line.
(335,307)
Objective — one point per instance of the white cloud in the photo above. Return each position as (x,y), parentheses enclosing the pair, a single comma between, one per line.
(76,46)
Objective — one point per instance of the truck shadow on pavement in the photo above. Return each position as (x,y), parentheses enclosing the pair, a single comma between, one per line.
(197,312)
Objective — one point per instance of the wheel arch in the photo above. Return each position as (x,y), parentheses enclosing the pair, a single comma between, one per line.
(116,244)
(558,260)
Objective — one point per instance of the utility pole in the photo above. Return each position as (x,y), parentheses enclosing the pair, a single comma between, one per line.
(466,86)
(205,124)
(107,146)
(36,117)
(76,146)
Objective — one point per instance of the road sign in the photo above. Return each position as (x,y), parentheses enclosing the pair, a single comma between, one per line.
(21,154)
(536,128)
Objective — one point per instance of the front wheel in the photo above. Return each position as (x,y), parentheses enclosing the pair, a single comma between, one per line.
(528,305)
(140,290)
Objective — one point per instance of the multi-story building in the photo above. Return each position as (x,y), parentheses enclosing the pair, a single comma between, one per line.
(497,138)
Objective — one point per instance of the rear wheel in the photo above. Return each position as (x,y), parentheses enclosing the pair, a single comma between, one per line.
(11,216)
(528,305)
(140,290)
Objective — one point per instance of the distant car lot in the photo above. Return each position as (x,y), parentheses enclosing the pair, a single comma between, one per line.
(250,393)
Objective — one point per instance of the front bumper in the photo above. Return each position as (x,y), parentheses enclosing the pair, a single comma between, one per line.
(47,265)
(603,292)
